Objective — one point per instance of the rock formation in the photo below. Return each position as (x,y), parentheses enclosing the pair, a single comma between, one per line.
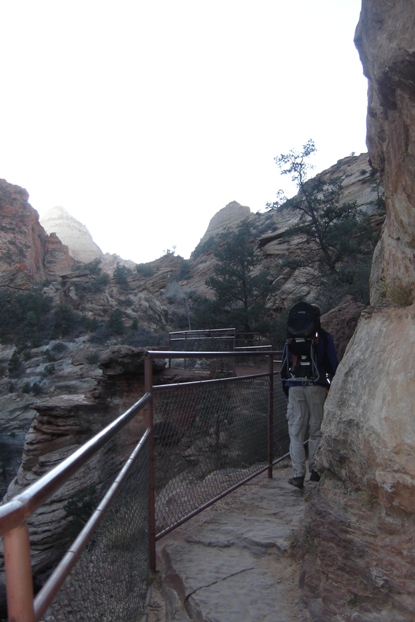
(72,233)
(385,40)
(27,253)
(362,559)
(229,216)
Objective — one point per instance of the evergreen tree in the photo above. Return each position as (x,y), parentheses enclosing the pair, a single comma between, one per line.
(240,290)
(338,237)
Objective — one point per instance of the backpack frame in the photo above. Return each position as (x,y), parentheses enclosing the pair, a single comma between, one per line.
(302,328)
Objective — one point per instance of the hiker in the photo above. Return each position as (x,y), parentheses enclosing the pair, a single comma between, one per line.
(309,362)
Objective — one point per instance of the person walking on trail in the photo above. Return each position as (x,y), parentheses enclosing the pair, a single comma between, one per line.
(309,362)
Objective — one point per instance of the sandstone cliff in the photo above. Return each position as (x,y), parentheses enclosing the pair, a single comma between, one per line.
(360,564)
(72,233)
(27,253)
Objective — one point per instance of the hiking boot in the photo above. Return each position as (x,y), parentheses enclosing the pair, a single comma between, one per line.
(314,476)
(298,482)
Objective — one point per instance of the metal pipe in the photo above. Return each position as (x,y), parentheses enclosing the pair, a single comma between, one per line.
(270,414)
(148,380)
(59,575)
(164,354)
(19,581)
(176,385)
(23,505)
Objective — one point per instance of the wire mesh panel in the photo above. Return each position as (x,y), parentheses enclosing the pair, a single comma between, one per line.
(208,437)
(111,578)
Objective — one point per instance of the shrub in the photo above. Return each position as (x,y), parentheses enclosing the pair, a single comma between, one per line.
(65,321)
(144,269)
(59,347)
(36,388)
(121,274)
(24,316)
(115,323)
(15,363)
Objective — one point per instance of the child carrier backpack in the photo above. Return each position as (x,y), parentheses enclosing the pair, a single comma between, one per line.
(302,326)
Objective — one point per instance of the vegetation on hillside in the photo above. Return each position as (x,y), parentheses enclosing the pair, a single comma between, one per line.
(241,289)
(339,238)
(334,257)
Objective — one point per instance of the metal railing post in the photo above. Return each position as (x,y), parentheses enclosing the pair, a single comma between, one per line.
(19,581)
(148,383)
(270,414)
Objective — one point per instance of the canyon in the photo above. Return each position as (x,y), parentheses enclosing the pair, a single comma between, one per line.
(356,545)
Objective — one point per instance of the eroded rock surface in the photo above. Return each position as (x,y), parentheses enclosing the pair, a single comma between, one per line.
(386,43)
(27,253)
(361,525)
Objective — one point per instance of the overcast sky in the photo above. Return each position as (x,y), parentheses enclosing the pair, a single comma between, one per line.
(143,118)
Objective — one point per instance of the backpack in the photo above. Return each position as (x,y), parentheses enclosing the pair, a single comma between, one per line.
(302,326)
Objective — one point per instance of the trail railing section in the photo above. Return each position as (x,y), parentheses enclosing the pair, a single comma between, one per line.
(202,440)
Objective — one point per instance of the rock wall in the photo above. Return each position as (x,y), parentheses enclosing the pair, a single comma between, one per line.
(386,43)
(27,253)
(361,546)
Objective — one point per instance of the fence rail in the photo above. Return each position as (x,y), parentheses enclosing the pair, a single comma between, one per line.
(203,439)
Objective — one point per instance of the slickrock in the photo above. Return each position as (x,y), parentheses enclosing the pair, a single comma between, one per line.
(232,562)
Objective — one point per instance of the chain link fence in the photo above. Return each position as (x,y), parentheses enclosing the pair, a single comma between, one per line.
(111,578)
(210,436)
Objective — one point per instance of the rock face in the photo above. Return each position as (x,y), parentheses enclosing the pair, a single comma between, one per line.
(27,253)
(362,562)
(229,216)
(294,284)
(386,43)
(72,233)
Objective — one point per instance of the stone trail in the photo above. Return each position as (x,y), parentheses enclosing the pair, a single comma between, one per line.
(231,563)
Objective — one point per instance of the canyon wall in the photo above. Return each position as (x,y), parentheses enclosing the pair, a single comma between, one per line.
(27,253)
(359,538)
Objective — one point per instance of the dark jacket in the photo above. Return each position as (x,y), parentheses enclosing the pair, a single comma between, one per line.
(327,363)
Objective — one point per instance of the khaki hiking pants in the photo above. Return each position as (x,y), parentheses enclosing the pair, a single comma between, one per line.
(305,405)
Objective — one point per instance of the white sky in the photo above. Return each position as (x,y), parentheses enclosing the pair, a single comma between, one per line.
(143,118)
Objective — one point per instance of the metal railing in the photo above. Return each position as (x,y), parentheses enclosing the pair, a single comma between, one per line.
(202,440)
(14,529)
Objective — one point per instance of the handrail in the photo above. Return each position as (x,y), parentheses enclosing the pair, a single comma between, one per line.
(56,580)
(15,512)
(190,354)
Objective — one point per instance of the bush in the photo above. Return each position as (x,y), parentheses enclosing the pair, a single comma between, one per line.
(59,347)
(184,270)
(65,321)
(115,323)
(36,388)
(24,317)
(144,269)
(15,363)
(101,334)
(204,247)
(121,274)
